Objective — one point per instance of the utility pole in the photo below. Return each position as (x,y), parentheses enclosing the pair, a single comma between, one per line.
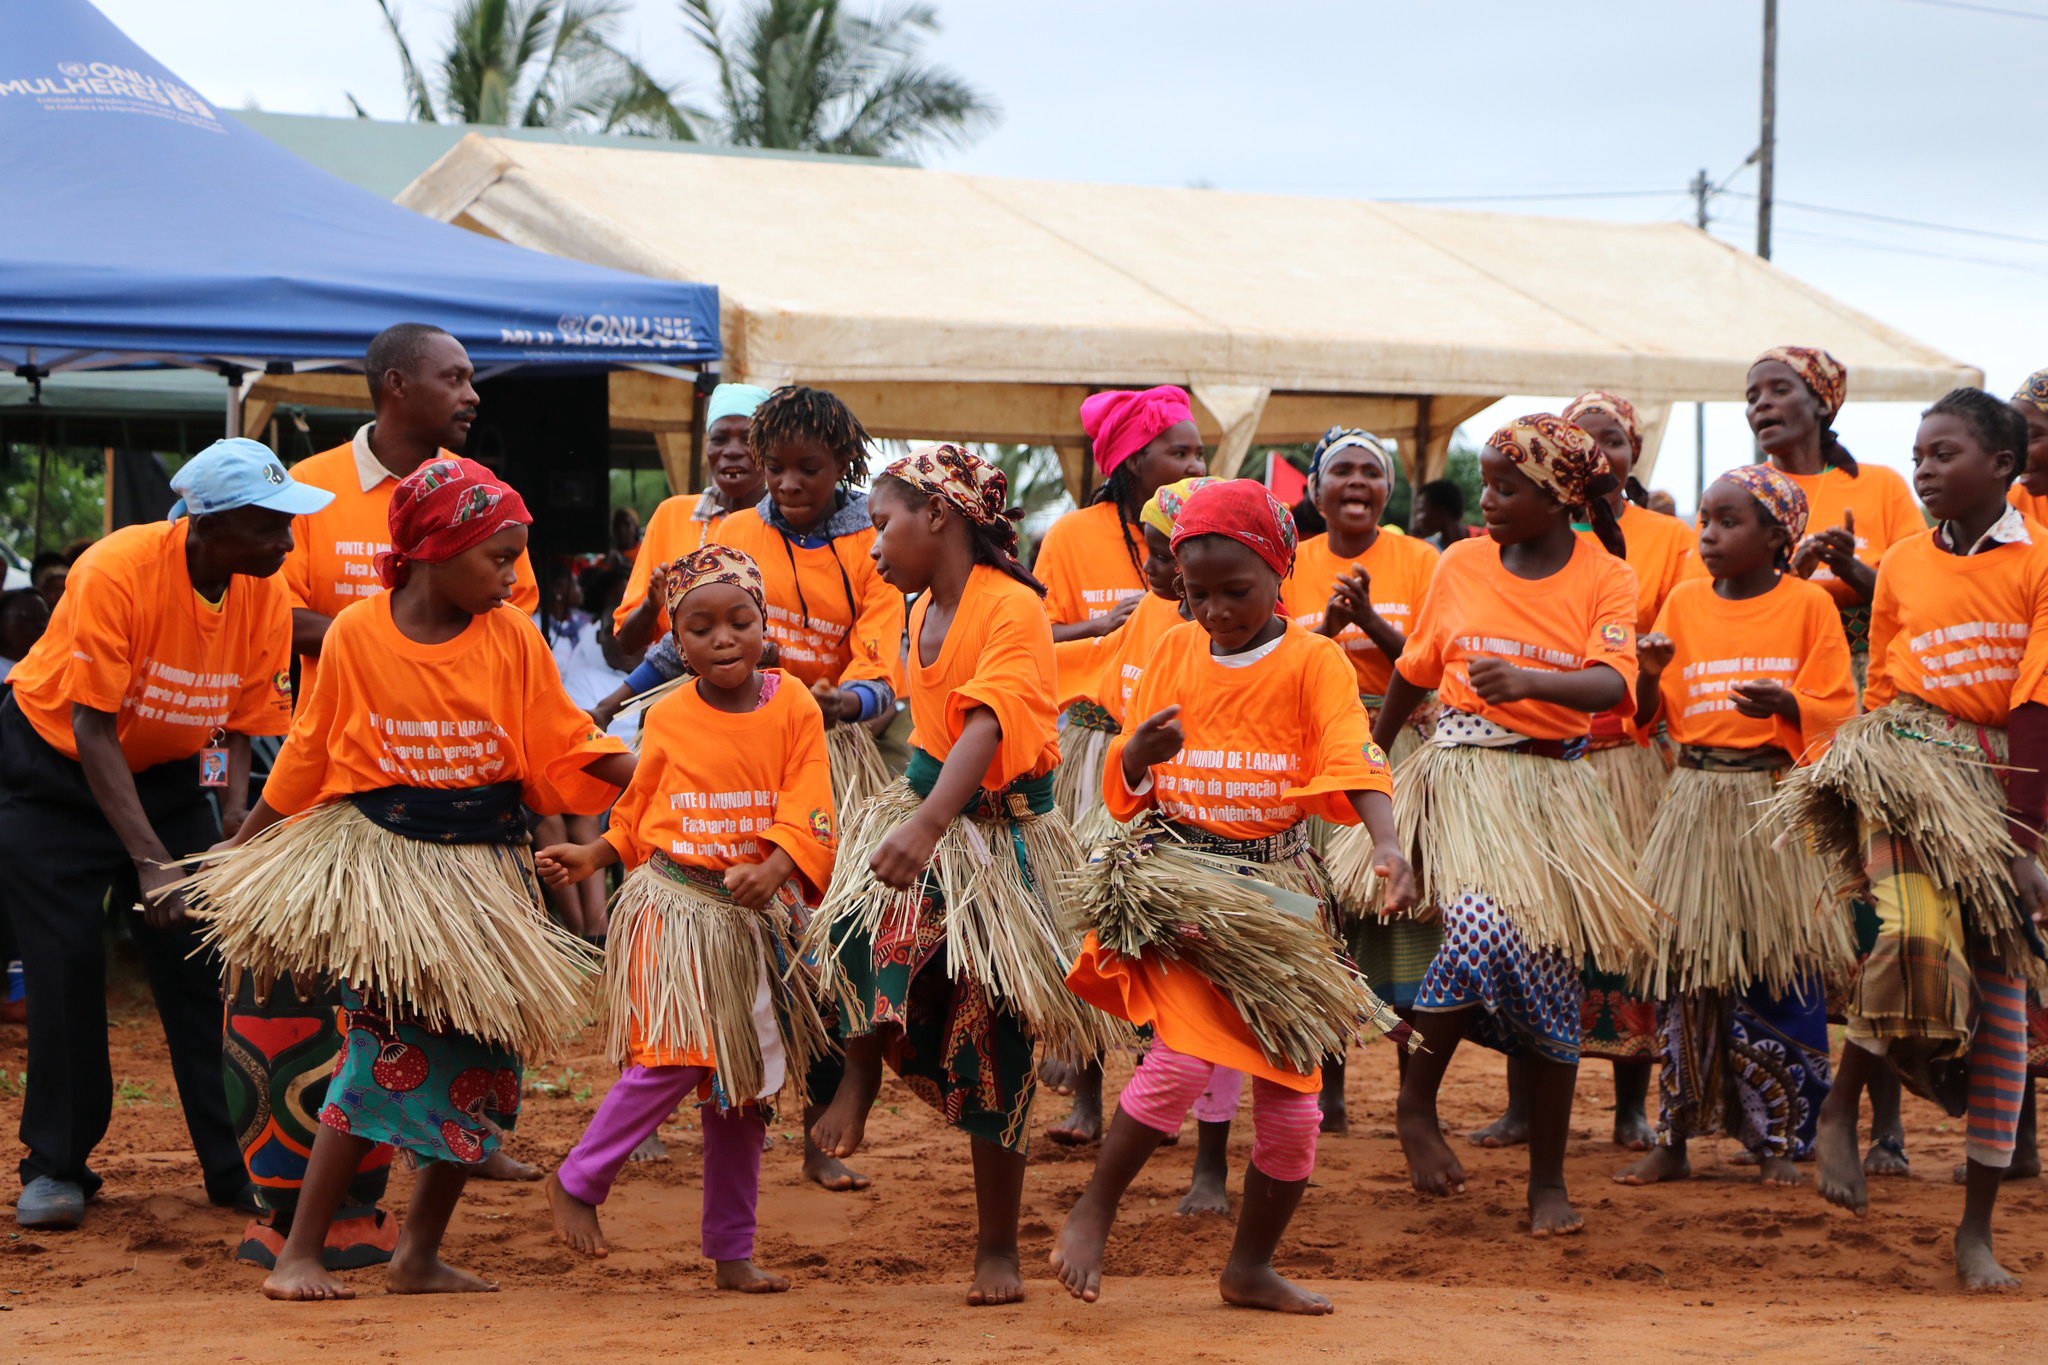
(1767,145)
(1700,189)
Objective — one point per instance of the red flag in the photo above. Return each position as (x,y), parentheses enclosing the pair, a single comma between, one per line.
(1287,483)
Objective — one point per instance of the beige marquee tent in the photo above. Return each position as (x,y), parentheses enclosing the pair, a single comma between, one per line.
(974,308)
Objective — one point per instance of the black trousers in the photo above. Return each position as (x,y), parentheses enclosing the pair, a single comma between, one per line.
(64,862)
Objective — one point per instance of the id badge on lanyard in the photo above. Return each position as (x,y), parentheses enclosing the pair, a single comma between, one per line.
(213,763)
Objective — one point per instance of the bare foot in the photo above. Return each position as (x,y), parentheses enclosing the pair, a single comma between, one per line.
(1432,1165)
(1261,1286)
(1058,1076)
(1778,1169)
(1335,1119)
(1632,1130)
(1206,1194)
(1976,1267)
(575,1221)
(1840,1180)
(1077,1251)
(651,1148)
(829,1172)
(1551,1213)
(843,1125)
(2019,1170)
(1509,1130)
(1083,1125)
(432,1276)
(997,1278)
(303,1282)
(747,1278)
(1662,1164)
(499,1166)
(1887,1156)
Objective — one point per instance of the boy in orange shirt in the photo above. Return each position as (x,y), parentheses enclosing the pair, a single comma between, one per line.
(438,715)
(1526,636)
(169,648)
(1252,724)
(1935,800)
(728,828)
(1751,672)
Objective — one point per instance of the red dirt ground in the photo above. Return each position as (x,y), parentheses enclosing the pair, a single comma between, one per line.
(1713,1269)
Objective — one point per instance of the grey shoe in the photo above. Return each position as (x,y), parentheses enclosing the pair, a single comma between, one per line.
(47,1202)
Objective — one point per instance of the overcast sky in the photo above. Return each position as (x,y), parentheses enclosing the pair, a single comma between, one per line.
(1912,109)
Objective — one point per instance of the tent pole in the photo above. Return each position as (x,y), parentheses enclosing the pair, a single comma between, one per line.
(700,395)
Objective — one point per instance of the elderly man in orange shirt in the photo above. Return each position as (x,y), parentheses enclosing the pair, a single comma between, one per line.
(168,651)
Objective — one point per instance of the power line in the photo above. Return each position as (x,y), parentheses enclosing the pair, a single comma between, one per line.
(1662,193)
(1983,9)
(1864,244)
(1890,221)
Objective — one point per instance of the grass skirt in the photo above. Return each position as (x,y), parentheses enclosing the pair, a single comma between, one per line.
(858,771)
(1635,777)
(1537,836)
(683,967)
(1149,892)
(1077,782)
(449,936)
(1007,920)
(1919,775)
(1746,908)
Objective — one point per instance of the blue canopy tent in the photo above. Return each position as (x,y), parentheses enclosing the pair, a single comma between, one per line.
(144,228)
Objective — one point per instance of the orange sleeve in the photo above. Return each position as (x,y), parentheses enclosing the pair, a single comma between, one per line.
(658,546)
(878,626)
(558,738)
(1879,687)
(1055,569)
(1825,687)
(101,665)
(1346,758)
(2032,683)
(1150,698)
(525,587)
(1081,666)
(622,829)
(300,769)
(265,705)
(1612,639)
(804,827)
(1013,678)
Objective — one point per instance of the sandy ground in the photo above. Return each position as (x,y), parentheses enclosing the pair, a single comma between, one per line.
(1713,1269)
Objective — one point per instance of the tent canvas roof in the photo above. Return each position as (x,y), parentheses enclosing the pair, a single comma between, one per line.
(1264,305)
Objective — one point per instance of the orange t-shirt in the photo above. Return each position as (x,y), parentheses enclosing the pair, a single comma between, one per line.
(334,551)
(672,532)
(997,654)
(1966,633)
(1885,515)
(1085,563)
(1400,568)
(855,630)
(484,707)
(1658,550)
(2035,507)
(1130,649)
(1791,635)
(1583,614)
(715,788)
(133,638)
(1266,743)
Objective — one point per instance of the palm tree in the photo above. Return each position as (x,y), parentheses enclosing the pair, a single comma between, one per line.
(806,76)
(538,63)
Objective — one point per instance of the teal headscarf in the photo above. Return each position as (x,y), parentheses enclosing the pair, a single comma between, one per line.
(734,400)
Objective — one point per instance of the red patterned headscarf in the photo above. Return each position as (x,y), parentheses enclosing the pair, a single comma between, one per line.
(1620,409)
(970,485)
(1563,461)
(712,564)
(1782,501)
(443,508)
(1824,375)
(1244,511)
(2034,391)
(1121,423)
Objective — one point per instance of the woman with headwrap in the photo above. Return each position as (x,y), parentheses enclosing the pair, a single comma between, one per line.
(1361,584)
(1526,636)
(1751,673)
(688,521)
(2030,489)
(389,852)
(1853,514)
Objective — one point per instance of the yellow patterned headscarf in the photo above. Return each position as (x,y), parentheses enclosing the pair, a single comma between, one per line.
(712,564)
(1162,509)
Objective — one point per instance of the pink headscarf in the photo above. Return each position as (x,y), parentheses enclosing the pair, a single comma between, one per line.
(1121,422)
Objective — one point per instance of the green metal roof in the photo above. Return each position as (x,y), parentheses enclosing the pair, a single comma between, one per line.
(385,157)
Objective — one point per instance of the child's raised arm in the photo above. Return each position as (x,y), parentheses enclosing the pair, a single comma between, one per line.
(904,855)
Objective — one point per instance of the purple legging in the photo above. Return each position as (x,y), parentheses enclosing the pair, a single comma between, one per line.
(633,1110)
(1284,1122)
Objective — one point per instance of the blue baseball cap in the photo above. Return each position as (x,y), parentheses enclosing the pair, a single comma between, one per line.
(239,472)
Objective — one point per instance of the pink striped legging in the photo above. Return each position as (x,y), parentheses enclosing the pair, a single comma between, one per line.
(1284,1122)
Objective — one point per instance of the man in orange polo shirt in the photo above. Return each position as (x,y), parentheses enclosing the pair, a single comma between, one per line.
(168,651)
(423,400)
